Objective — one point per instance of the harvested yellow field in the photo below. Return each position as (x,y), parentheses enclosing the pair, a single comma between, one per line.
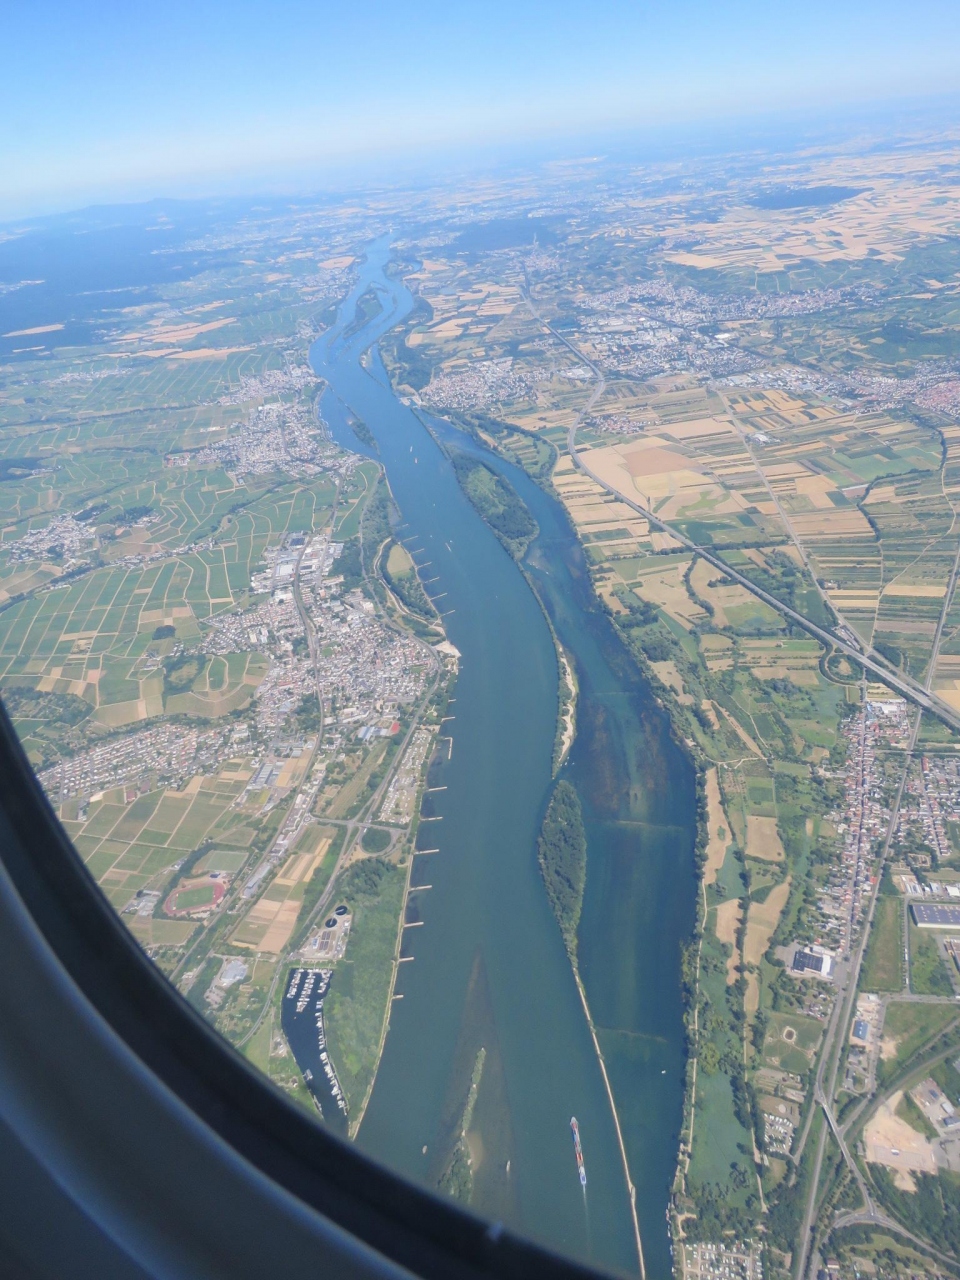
(697,429)
(763,839)
(207,353)
(664,541)
(293,770)
(29,333)
(817,490)
(664,586)
(916,591)
(299,866)
(268,925)
(835,523)
(762,920)
(668,673)
(949,691)
(278,934)
(761,923)
(182,332)
(264,911)
(726,926)
(850,599)
(900,206)
(722,596)
(652,460)
(716,824)
(647,470)
(781,472)
(717,652)
(803,676)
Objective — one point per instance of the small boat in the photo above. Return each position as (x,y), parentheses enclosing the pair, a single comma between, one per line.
(579,1150)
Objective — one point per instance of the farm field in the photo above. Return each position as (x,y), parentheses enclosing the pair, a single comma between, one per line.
(216,646)
(189,603)
(883,967)
(907,1028)
(751,383)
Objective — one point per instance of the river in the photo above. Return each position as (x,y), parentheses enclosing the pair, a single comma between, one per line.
(489,969)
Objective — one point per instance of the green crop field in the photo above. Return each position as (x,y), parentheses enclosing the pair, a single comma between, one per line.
(906,1028)
(127,846)
(883,966)
(929,975)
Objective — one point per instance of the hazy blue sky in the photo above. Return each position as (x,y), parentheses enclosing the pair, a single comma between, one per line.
(127,98)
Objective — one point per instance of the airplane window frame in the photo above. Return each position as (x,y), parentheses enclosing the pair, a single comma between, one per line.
(404,1223)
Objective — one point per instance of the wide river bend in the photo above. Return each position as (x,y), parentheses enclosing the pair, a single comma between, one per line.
(489,968)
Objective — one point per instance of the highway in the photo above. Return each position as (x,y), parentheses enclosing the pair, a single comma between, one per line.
(848,973)
(907,688)
(910,689)
(877,1218)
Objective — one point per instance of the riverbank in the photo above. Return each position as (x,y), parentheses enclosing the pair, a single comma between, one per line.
(509,512)
(541,1063)
(625,732)
(567,718)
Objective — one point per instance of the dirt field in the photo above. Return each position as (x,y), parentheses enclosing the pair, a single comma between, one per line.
(716,822)
(399,560)
(728,921)
(892,1142)
(763,839)
(668,673)
(762,919)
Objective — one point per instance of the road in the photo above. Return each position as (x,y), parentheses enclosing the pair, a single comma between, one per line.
(920,696)
(907,688)
(847,996)
(836,1034)
(290,825)
(353,826)
(917,694)
(877,1218)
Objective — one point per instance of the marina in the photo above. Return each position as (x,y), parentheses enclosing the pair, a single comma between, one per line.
(301,1017)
